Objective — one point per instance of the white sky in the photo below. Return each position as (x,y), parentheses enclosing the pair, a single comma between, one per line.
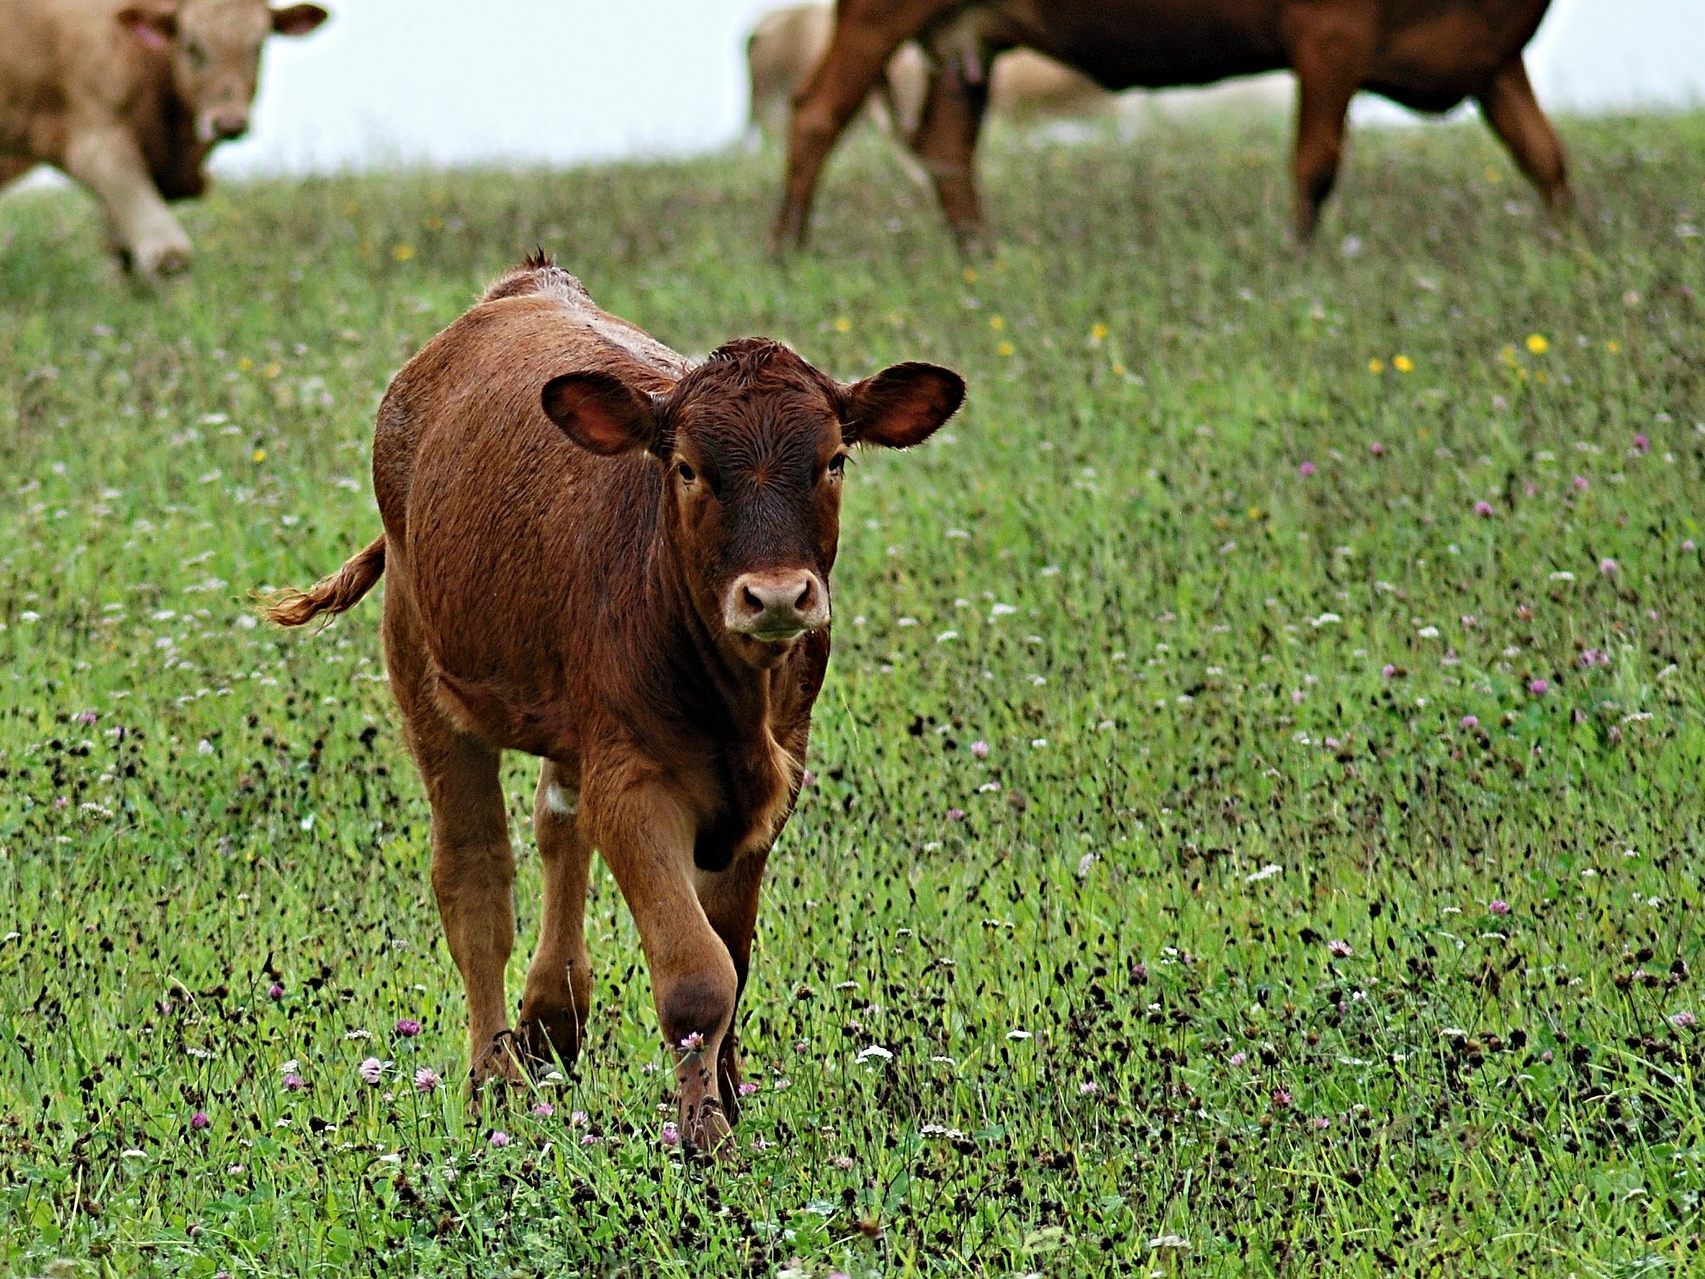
(448,81)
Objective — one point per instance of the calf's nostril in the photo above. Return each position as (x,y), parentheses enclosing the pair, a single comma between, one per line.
(753,602)
(803,601)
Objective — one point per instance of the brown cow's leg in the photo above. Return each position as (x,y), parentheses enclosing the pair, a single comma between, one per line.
(730,900)
(946,142)
(559,982)
(1330,56)
(1515,116)
(866,35)
(473,875)
(646,838)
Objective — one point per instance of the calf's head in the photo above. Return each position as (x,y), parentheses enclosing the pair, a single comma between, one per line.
(214,47)
(753,443)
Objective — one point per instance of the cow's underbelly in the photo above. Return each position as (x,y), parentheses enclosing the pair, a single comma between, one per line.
(1434,55)
(1131,44)
(508,714)
(1434,64)
(27,131)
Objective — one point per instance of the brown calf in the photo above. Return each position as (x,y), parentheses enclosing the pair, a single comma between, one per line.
(605,555)
(1428,55)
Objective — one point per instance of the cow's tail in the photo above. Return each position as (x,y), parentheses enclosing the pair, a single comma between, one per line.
(334,594)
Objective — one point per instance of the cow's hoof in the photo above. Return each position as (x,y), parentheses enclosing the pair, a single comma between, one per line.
(708,1133)
(547,1037)
(157,264)
(973,242)
(170,262)
(498,1070)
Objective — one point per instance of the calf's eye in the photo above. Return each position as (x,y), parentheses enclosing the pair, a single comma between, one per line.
(687,474)
(837,465)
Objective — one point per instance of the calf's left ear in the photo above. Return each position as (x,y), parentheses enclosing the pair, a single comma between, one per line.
(153,22)
(601,412)
(902,405)
(298,19)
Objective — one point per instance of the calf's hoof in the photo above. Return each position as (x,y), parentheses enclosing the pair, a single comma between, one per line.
(547,1036)
(707,1132)
(497,1069)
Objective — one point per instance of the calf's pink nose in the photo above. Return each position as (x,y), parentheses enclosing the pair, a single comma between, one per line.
(230,124)
(777,604)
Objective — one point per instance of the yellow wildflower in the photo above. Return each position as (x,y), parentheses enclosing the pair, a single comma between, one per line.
(1403,364)
(1098,332)
(970,275)
(244,364)
(1376,365)
(1613,346)
(997,322)
(842,324)
(403,252)
(1005,348)
(1537,344)
(260,455)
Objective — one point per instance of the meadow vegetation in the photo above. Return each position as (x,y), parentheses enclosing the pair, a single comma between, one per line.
(1256,818)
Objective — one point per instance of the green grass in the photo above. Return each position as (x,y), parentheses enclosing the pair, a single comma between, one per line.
(1100,955)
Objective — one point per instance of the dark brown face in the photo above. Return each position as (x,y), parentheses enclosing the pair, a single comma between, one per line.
(755,442)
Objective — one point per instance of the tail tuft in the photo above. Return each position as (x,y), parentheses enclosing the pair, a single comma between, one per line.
(340,591)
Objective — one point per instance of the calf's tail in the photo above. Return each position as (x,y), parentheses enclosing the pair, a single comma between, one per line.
(340,591)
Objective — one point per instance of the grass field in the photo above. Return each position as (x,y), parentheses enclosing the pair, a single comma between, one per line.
(1327,897)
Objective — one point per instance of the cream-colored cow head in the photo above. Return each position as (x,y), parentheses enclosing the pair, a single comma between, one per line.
(215,47)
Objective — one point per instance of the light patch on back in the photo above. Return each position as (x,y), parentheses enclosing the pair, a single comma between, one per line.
(564,803)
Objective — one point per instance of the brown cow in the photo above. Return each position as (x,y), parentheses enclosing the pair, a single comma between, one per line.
(605,555)
(129,99)
(1425,54)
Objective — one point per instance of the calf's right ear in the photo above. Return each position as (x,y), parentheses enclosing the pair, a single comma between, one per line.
(153,22)
(601,412)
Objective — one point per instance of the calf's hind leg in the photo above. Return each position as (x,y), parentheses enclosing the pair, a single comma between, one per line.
(473,876)
(559,981)
(473,870)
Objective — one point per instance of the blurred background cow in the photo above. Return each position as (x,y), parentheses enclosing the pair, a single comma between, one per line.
(1429,55)
(129,99)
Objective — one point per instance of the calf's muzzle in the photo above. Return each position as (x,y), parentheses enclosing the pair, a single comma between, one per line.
(776,605)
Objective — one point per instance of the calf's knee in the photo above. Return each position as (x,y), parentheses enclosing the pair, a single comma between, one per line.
(698,1004)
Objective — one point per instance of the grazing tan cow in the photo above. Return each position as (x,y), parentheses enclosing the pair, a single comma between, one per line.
(618,560)
(1428,55)
(128,97)
(787,44)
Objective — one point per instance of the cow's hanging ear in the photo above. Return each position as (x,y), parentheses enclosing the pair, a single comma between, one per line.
(298,19)
(902,405)
(601,412)
(153,22)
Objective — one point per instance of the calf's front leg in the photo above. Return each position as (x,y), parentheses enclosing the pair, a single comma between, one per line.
(730,901)
(646,836)
(143,230)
